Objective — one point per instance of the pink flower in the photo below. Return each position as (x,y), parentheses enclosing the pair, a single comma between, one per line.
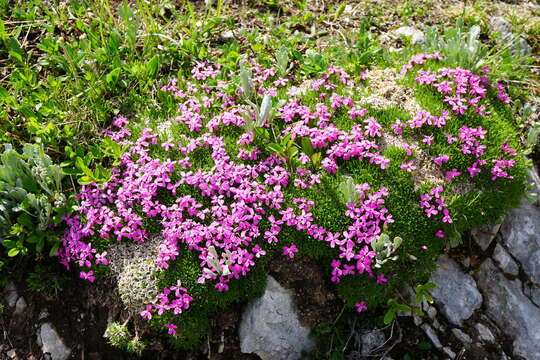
(440,234)
(168,144)
(372,128)
(428,140)
(410,148)
(398,127)
(258,251)
(281,82)
(452,174)
(120,121)
(100,258)
(361,306)
(441,159)
(304,159)
(171,329)
(290,251)
(87,276)
(409,166)
(146,314)
(446,217)
(381,279)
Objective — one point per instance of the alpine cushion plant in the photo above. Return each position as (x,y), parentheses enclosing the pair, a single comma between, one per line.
(257,166)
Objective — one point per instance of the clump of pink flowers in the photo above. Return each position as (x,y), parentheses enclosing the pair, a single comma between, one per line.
(462,89)
(238,204)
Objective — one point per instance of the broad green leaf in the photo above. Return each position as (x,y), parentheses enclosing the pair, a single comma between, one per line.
(54,249)
(388,317)
(261,132)
(2,30)
(403,307)
(112,78)
(15,50)
(315,158)
(82,166)
(9,244)
(275,148)
(307,146)
(13,252)
(293,151)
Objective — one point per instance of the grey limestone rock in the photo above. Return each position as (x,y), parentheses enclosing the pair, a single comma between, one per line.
(432,335)
(417,36)
(456,292)
(484,333)
(270,327)
(371,341)
(52,343)
(521,235)
(505,261)
(533,292)
(449,352)
(484,235)
(20,306)
(11,294)
(463,337)
(500,25)
(511,310)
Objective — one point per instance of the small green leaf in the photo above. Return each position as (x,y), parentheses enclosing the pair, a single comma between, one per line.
(261,132)
(424,345)
(13,252)
(316,158)
(82,166)
(284,141)
(2,30)
(307,146)
(293,151)
(388,317)
(9,244)
(404,308)
(430,285)
(112,77)
(275,148)
(54,249)
(152,66)
(15,50)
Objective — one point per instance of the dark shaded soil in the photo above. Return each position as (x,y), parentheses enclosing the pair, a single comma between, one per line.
(313,292)
(79,314)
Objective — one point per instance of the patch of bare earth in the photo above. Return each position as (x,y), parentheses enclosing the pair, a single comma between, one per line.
(387,92)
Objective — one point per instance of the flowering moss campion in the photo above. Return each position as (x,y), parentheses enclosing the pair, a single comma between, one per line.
(232,187)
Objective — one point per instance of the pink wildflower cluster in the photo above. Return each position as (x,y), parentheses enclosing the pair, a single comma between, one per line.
(174,298)
(233,209)
(461,88)
(369,218)
(306,178)
(501,166)
(204,70)
(434,204)
(238,199)
(418,60)
(343,145)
